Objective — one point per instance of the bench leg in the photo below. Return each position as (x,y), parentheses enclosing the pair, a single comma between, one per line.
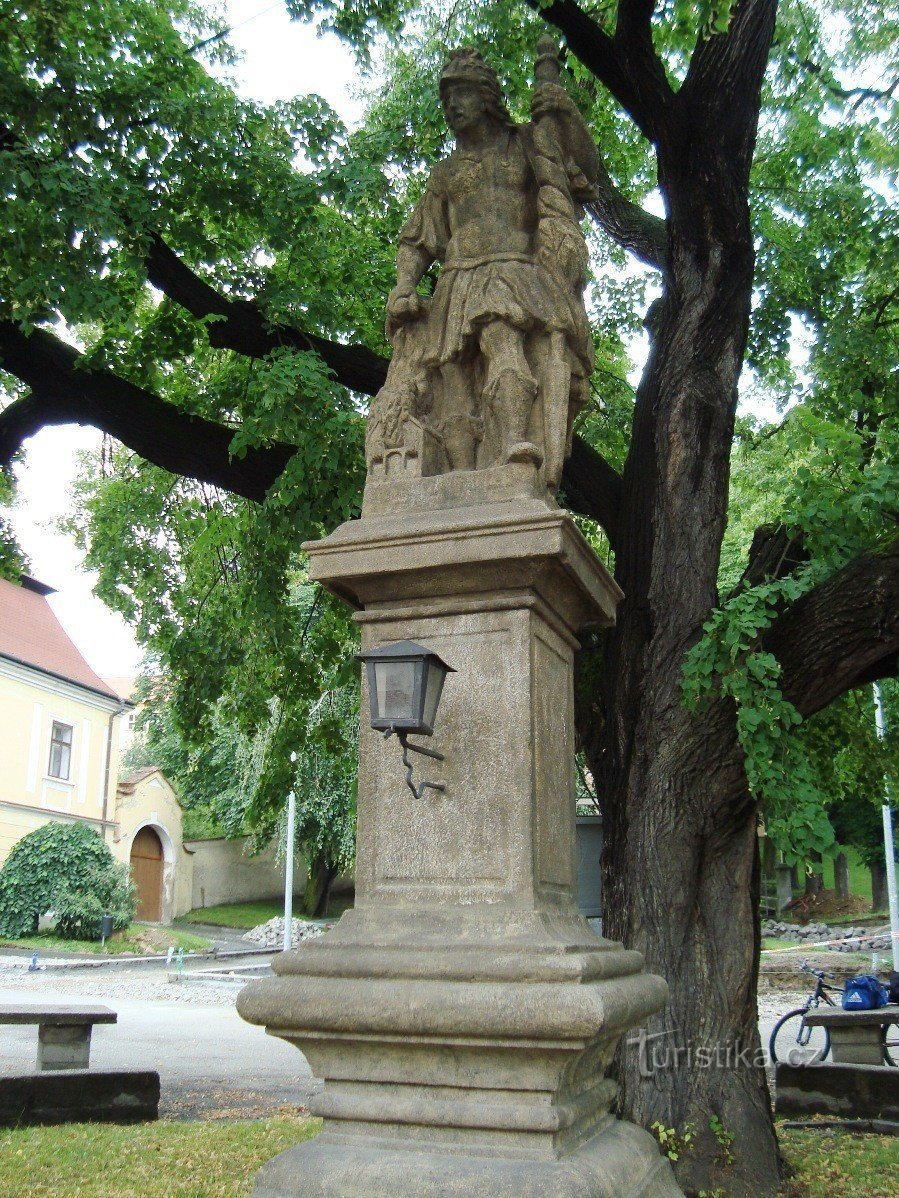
(63,1047)
(857,1045)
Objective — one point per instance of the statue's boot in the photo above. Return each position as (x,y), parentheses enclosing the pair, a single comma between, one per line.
(512,396)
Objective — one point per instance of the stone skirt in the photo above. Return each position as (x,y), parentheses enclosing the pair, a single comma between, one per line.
(515,289)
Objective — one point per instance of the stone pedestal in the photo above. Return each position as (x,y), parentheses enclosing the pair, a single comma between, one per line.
(464,1014)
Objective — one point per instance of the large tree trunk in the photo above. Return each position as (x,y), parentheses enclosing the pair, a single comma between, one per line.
(681,869)
(841,876)
(880,899)
(814,878)
(318,888)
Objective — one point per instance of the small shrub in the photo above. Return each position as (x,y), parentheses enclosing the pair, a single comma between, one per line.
(66,869)
(725,1140)
(672,1144)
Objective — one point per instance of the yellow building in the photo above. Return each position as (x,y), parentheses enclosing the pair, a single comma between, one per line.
(59,723)
(60,729)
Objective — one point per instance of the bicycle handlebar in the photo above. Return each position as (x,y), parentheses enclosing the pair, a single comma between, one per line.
(820,974)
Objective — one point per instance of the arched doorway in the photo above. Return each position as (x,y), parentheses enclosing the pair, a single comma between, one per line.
(146,873)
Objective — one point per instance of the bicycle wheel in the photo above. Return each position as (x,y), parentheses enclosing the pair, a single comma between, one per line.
(795,1042)
(891,1045)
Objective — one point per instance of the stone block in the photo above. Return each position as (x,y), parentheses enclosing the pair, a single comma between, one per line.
(79,1096)
(841,1091)
(64,1047)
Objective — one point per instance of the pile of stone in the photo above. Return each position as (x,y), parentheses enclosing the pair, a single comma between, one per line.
(849,940)
(271,934)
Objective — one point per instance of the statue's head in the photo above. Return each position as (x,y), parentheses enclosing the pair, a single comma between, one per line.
(470,91)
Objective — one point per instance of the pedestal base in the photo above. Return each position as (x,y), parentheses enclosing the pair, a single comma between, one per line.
(619,1162)
(467,1065)
(463,1016)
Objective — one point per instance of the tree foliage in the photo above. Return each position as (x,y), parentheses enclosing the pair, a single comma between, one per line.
(65,869)
(233,774)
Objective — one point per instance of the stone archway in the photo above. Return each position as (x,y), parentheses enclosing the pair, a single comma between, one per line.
(151,861)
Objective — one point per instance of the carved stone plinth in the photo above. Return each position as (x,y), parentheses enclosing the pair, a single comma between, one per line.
(464,1014)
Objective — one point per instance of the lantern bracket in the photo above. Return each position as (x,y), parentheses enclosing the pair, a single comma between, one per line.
(403,738)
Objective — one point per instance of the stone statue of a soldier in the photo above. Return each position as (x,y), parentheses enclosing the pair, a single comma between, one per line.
(495,365)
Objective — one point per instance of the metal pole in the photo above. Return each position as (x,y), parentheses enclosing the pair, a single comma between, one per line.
(888,846)
(288,865)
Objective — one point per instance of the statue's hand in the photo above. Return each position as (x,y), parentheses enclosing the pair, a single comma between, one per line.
(551,99)
(404,305)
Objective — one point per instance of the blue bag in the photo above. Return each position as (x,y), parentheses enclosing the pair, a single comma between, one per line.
(864,993)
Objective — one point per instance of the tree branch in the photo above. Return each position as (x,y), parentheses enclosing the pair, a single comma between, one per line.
(727,69)
(633,38)
(635,229)
(621,65)
(592,488)
(63,392)
(775,552)
(243,328)
(842,634)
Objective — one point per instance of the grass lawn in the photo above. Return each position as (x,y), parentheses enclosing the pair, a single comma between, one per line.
(831,1163)
(138,939)
(218,1160)
(769,942)
(865,919)
(859,875)
(236,915)
(250,915)
(150,1160)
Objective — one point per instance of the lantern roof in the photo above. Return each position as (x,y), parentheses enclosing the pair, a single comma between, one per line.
(404,650)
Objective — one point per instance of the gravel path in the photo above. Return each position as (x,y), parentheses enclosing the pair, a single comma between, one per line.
(148,983)
(210,1062)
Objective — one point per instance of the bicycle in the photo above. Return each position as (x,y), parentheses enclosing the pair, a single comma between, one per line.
(891,1045)
(795,1042)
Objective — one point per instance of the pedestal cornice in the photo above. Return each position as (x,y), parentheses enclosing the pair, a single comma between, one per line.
(475,550)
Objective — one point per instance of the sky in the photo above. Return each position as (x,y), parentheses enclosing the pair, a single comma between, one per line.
(280,58)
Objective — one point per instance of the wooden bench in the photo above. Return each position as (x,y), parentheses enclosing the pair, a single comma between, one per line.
(856,1037)
(63,1032)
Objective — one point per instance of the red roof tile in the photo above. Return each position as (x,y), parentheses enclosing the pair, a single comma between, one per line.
(31,633)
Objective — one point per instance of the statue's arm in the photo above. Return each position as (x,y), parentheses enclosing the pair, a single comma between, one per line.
(551,100)
(412,261)
(422,242)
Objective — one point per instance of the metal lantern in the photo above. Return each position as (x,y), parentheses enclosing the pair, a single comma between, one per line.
(405,682)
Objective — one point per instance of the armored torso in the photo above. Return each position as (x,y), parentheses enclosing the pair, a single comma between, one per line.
(491,201)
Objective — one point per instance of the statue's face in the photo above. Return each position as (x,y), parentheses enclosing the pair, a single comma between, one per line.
(464,106)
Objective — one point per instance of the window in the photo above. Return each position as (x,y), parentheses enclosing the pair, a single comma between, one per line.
(60,751)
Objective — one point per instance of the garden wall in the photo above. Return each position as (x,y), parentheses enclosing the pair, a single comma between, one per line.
(224,871)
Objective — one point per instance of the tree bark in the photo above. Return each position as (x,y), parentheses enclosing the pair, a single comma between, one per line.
(814,878)
(681,871)
(841,876)
(318,888)
(880,899)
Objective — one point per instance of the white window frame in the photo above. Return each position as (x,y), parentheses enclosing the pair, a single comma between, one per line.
(54,724)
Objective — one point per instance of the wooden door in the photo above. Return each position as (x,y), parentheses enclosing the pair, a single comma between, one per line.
(146,873)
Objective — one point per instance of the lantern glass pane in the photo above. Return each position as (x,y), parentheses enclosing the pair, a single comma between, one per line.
(436,675)
(396,689)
